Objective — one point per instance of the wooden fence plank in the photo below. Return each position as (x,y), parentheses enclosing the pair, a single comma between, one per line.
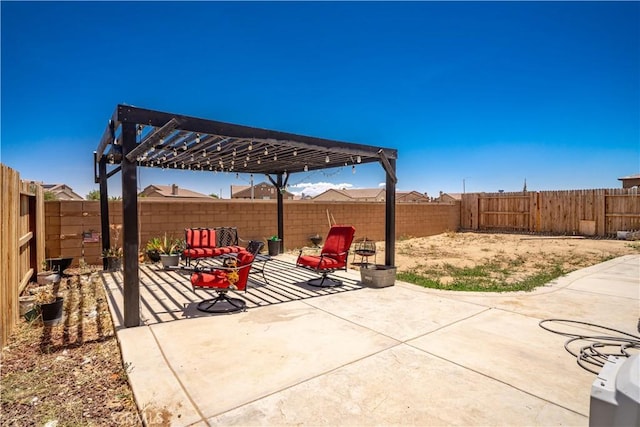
(557,212)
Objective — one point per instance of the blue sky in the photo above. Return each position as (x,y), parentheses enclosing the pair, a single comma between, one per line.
(486,93)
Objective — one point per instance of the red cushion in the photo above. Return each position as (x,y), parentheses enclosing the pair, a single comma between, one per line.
(200,237)
(338,242)
(324,263)
(218,278)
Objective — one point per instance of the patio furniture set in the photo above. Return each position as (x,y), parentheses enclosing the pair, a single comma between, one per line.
(237,262)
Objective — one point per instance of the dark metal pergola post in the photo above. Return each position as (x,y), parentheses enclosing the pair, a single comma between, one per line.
(390,216)
(130,228)
(280,211)
(104,208)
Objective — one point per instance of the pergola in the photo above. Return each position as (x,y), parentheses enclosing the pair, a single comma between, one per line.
(139,137)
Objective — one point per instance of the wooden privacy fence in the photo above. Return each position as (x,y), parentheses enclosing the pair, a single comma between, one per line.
(598,212)
(21,243)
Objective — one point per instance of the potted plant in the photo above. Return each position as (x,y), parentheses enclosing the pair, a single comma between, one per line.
(169,249)
(48,305)
(275,245)
(47,276)
(153,248)
(113,255)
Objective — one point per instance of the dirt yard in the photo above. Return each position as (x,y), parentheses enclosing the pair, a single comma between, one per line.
(524,254)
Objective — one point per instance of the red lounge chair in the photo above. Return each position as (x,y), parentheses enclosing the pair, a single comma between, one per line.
(333,256)
(218,280)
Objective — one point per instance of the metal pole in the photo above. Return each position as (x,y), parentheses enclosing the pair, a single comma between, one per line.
(130,228)
(390,215)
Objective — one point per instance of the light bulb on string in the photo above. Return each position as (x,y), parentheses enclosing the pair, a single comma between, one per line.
(295,153)
(250,147)
(184,146)
(275,157)
(259,161)
(306,168)
(197,138)
(353,169)
(204,153)
(219,147)
(327,159)
(266,152)
(358,159)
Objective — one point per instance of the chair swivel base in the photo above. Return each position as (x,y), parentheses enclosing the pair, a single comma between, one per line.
(222,304)
(324,282)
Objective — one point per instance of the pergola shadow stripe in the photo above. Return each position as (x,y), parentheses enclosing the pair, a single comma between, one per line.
(167,295)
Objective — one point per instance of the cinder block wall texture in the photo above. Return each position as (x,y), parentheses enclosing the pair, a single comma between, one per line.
(67,221)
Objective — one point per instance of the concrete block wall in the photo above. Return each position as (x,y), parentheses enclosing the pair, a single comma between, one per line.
(66,221)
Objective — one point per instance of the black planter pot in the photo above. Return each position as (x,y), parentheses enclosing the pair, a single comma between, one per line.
(52,312)
(154,256)
(275,247)
(58,264)
(114,263)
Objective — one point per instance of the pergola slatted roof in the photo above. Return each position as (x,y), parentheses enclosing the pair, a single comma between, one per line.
(173,141)
(137,137)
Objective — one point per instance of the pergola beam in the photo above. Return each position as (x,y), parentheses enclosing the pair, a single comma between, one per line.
(152,139)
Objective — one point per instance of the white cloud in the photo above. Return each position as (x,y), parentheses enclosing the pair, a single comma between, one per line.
(382,184)
(314,188)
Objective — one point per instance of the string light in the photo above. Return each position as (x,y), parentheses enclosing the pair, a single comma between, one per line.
(250,147)
(327,159)
(234,152)
(184,146)
(204,153)
(259,161)
(219,147)
(266,152)
(353,169)
(275,157)
(358,159)
(197,138)
(306,168)
(295,153)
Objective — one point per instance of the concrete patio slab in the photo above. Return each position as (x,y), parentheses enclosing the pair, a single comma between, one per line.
(401,355)
(401,386)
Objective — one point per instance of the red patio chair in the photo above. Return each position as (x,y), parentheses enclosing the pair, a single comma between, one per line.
(333,256)
(218,280)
